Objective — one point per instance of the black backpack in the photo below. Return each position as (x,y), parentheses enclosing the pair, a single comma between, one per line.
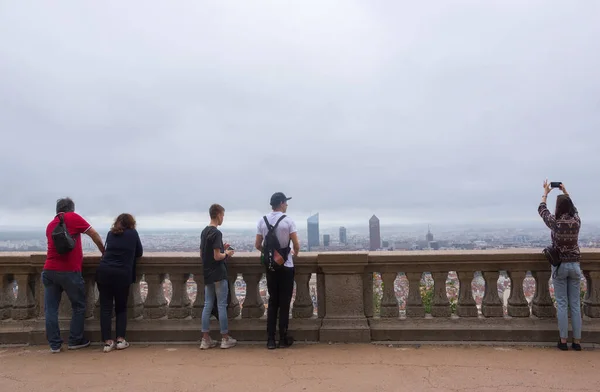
(553,256)
(273,255)
(63,241)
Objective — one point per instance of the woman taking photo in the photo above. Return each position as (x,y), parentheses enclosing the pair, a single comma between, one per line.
(114,275)
(565,224)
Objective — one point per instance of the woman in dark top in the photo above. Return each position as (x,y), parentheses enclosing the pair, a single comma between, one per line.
(565,224)
(114,275)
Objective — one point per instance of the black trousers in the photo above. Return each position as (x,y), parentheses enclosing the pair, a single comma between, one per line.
(280,285)
(112,287)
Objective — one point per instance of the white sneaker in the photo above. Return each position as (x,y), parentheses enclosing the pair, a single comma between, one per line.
(55,350)
(228,343)
(122,344)
(206,344)
(109,347)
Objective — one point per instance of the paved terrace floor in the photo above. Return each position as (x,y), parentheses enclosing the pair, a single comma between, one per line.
(357,367)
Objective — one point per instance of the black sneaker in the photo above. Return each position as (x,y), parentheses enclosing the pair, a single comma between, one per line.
(83,344)
(576,346)
(285,341)
(271,344)
(562,346)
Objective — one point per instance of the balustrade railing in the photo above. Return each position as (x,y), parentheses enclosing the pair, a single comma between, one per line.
(348,308)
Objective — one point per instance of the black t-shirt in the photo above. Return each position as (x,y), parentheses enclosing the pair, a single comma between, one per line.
(211,239)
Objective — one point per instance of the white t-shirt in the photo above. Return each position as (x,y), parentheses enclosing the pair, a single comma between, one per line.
(286,227)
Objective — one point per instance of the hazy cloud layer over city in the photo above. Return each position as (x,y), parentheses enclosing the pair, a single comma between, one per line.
(416,111)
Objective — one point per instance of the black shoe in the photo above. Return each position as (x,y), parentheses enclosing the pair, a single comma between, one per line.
(576,346)
(285,341)
(271,344)
(562,346)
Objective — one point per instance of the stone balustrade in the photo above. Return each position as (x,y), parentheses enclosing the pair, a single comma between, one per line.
(348,310)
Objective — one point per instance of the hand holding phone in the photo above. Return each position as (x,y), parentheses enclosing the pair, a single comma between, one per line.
(555,184)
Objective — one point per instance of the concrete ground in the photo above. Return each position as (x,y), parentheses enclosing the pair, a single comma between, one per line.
(356,367)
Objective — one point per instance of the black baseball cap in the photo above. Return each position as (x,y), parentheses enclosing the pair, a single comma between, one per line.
(278,198)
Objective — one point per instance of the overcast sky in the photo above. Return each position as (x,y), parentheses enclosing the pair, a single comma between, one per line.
(419,112)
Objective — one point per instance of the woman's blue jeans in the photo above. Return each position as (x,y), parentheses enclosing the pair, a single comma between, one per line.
(567,291)
(218,290)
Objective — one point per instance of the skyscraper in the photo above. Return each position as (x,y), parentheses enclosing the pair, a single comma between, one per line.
(326,239)
(343,236)
(429,236)
(313,231)
(374,233)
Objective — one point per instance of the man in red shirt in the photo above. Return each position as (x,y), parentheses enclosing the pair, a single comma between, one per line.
(62,272)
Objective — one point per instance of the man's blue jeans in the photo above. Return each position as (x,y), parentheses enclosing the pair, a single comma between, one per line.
(567,286)
(218,290)
(55,282)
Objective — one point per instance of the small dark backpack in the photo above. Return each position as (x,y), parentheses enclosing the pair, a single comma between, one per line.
(553,256)
(63,241)
(273,255)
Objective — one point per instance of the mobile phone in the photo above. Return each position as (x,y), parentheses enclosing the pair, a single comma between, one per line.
(556,184)
(230,248)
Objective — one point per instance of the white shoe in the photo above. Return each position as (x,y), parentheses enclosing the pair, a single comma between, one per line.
(206,344)
(228,343)
(109,347)
(55,350)
(122,344)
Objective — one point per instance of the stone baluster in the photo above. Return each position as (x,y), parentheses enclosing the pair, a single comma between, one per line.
(135,304)
(466,306)
(591,304)
(253,303)
(543,307)
(414,302)
(64,309)
(24,306)
(155,306)
(180,305)
(90,294)
(233,310)
(303,305)
(7,298)
(198,306)
(491,305)
(321,301)
(517,303)
(368,297)
(440,306)
(389,303)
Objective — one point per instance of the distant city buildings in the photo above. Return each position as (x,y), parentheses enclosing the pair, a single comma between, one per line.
(343,236)
(326,240)
(312,225)
(374,233)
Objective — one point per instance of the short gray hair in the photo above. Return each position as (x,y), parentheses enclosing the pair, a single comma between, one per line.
(65,205)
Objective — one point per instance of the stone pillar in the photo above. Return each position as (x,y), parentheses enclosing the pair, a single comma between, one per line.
(543,307)
(440,306)
(254,306)
(517,303)
(345,319)
(24,306)
(233,310)
(591,303)
(199,302)
(155,306)
(491,305)
(321,295)
(90,294)
(414,302)
(180,305)
(303,305)
(7,298)
(466,306)
(389,303)
(368,297)
(135,305)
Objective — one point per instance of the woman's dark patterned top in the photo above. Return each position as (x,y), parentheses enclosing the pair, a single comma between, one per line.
(565,233)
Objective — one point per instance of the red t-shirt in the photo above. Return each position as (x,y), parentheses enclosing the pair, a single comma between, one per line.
(72,261)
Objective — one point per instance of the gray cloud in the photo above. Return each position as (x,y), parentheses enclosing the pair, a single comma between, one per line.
(454,111)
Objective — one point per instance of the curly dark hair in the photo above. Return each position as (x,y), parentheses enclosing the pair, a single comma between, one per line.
(122,223)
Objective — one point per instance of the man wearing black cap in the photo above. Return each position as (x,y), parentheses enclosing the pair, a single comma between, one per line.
(280,281)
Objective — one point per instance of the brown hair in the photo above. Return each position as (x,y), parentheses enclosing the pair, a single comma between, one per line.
(564,205)
(215,210)
(122,223)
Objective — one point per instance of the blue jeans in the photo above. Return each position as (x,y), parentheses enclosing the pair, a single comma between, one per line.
(55,282)
(567,291)
(218,290)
